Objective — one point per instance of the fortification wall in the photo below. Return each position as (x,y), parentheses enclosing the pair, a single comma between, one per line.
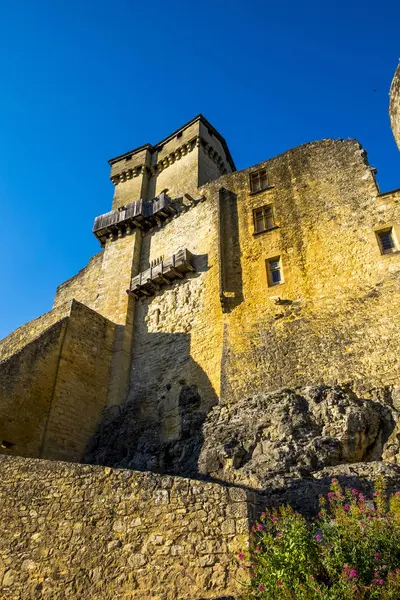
(81,384)
(178,332)
(94,532)
(26,389)
(32,330)
(53,389)
(336,320)
(83,286)
(394,109)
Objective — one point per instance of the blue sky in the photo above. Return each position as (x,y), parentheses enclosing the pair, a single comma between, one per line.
(84,81)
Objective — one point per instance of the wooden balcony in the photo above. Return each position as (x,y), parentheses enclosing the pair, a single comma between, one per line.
(150,281)
(142,214)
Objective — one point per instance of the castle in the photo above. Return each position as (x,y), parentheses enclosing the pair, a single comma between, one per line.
(210,286)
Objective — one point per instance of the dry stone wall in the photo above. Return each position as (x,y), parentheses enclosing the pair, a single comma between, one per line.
(74,531)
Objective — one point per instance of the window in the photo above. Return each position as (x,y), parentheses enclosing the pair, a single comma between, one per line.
(274,271)
(263,218)
(258,180)
(386,240)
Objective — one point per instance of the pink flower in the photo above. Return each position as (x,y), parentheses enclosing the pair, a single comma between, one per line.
(378,555)
(380,581)
(258,548)
(318,538)
(279,582)
(274,519)
(240,556)
(334,480)
(397,493)
(261,588)
(278,534)
(331,495)
(353,574)
(375,494)
(260,527)
(354,492)
(253,527)
(263,514)
(346,507)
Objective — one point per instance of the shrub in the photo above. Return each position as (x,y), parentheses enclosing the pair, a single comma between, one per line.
(350,551)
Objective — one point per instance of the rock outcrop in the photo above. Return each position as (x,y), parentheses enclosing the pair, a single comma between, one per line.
(267,441)
(293,433)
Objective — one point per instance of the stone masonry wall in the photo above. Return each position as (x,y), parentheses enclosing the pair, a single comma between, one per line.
(74,531)
(335,316)
(53,390)
(83,286)
(26,390)
(178,332)
(81,384)
(30,331)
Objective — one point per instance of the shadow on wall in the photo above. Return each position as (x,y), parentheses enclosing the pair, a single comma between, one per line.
(231,284)
(159,429)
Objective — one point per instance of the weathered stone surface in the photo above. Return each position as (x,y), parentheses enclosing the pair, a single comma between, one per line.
(292,433)
(394,109)
(303,493)
(75,531)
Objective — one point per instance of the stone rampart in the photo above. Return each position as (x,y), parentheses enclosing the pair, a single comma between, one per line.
(75,531)
(30,331)
(53,389)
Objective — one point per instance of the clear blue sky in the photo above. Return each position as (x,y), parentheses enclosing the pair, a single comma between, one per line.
(84,81)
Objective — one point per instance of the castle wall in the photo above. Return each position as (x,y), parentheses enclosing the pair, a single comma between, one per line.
(178,332)
(394,109)
(83,286)
(81,384)
(26,390)
(32,330)
(88,531)
(339,306)
(120,264)
(53,389)
(208,168)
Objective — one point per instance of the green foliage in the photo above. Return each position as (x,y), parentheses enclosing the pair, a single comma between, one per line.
(350,551)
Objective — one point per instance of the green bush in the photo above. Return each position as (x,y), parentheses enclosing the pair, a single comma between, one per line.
(351,550)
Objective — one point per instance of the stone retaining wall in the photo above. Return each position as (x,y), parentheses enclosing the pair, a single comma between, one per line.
(78,531)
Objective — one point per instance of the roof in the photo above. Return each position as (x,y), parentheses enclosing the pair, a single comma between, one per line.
(154,148)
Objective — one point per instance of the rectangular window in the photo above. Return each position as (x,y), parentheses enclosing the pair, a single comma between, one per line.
(274,271)
(386,240)
(258,180)
(263,218)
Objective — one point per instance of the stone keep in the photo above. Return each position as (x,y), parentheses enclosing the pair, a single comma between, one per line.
(181,311)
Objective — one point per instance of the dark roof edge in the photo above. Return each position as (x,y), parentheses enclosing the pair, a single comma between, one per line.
(126,154)
(151,148)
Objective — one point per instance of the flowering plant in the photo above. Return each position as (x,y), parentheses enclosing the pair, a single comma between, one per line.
(350,551)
